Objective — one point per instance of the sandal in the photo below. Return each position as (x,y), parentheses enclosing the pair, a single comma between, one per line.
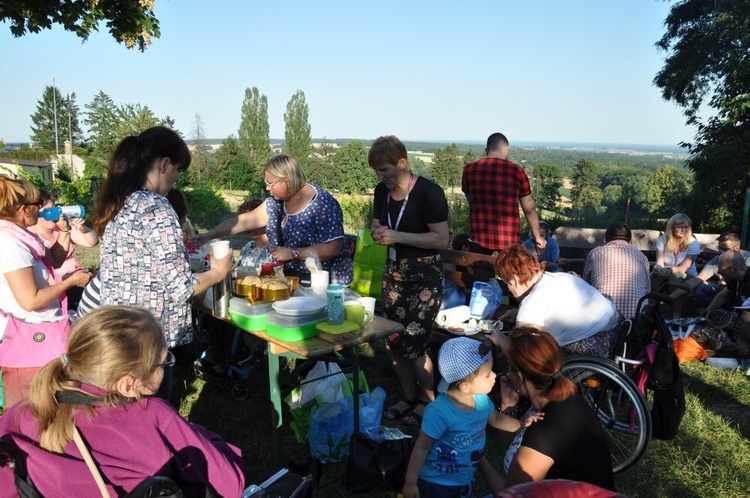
(414,418)
(393,413)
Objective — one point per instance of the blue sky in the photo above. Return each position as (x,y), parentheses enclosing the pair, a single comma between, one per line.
(576,70)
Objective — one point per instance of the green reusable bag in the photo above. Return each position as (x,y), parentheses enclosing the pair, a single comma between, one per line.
(369,262)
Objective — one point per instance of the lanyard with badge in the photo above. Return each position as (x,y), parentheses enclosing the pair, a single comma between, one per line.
(391,249)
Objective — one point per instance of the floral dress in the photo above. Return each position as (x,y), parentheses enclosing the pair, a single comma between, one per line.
(145,263)
(321,221)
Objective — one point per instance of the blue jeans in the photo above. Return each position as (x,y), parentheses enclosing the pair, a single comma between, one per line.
(432,490)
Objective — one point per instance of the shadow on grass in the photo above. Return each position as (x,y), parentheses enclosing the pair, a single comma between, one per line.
(721,402)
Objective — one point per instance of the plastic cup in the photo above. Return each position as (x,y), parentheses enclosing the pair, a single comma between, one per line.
(354,311)
(319,280)
(219,248)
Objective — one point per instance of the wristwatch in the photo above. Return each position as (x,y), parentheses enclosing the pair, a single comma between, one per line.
(295,254)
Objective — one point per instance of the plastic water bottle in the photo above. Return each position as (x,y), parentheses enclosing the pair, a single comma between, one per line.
(54,213)
(335,295)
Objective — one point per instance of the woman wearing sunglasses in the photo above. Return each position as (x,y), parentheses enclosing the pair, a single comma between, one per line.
(103,388)
(33,309)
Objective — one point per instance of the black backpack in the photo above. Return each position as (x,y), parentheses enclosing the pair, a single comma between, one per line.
(661,368)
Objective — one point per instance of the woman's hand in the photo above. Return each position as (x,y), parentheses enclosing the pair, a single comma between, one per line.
(80,278)
(63,224)
(201,239)
(510,315)
(282,253)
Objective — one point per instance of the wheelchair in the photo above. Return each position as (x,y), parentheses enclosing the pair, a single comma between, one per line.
(610,388)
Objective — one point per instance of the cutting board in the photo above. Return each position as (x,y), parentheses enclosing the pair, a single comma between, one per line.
(337,334)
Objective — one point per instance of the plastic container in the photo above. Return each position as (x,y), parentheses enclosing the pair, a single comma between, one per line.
(335,298)
(248,316)
(293,328)
(54,213)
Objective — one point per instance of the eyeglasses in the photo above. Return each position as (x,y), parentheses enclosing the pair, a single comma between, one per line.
(682,227)
(169,361)
(269,186)
(722,249)
(37,204)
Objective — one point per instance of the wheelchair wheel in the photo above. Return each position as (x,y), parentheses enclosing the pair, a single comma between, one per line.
(240,391)
(621,407)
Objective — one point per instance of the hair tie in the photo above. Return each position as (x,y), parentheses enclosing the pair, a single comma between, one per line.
(556,375)
(64,360)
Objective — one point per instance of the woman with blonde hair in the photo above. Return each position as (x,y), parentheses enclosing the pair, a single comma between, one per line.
(300,218)
(568,443)
(33,309)
(676,252)
(103,388)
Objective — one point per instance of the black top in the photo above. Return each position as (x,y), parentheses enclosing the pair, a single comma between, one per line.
(572,436)
(426,205)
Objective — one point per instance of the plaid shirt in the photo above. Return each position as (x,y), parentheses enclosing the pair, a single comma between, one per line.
(493,187)
(620,272)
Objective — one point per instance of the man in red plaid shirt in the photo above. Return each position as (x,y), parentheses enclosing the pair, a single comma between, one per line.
(493,187)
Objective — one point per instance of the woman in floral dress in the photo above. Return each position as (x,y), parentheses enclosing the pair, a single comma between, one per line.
(411,218)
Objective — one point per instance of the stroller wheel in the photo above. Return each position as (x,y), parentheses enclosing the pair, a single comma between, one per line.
(240,391)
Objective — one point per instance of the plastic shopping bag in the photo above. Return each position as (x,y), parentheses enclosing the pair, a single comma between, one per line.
(369,262)
(316,391)
(486,297)
(332,425)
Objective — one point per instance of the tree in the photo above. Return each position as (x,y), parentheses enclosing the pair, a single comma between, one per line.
(201,164)
(447,166)
(587,196)
(131,22)
(52,107)
(134,119)
(232,168)
(470,156)
(102,119)
(253,134)
(297,137)
(665,191)
(320,167)
(707,67)
(547,179)
(356,176)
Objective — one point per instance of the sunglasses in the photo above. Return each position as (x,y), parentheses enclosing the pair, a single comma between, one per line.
(37,203)
(169,361)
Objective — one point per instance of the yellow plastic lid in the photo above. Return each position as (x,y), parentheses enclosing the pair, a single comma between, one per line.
(341,328)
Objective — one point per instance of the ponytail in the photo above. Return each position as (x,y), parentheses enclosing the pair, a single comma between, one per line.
(536,354)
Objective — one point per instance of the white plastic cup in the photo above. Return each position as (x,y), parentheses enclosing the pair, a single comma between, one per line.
(319,280)
(368,303)
(219,248)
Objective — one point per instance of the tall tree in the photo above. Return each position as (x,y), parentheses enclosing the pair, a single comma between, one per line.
(297,137)
(102,119)
(253,134)
(131,22)
(547,179)
(707,67)
(134,119)
(201,163)
(356,176)
(586,193)
(49,113)
(447,166)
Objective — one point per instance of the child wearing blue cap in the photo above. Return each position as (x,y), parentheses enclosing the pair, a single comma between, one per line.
(451,441)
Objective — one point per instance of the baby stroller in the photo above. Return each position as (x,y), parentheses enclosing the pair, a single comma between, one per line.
(239,363)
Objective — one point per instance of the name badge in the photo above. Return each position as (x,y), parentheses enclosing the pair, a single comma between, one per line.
(392,253)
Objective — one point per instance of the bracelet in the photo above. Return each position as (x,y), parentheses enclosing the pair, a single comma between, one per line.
(511,411)
(64,231)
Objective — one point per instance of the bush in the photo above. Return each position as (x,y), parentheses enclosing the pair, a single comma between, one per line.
(207,207)
(357,212)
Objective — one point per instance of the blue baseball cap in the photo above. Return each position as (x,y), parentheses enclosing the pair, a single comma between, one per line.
(459,358)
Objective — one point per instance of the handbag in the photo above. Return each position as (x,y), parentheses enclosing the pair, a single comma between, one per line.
(368,263)
(26,344)
(377,464)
